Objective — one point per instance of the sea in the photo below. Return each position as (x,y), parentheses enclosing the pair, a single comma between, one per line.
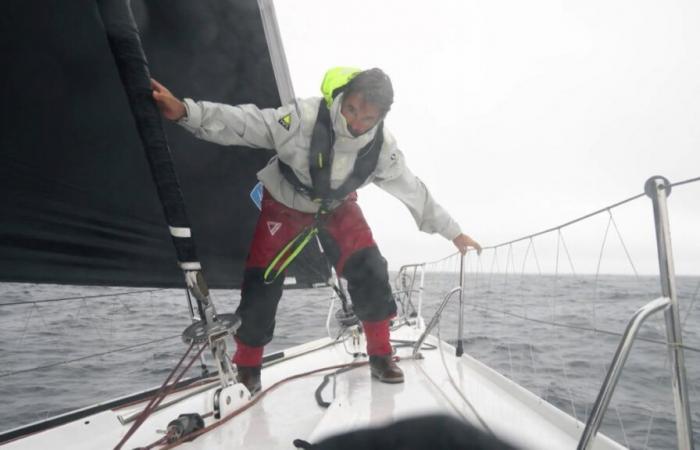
(66,347)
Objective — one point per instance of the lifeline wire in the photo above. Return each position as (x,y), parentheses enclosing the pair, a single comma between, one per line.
(580,328)
(82,297)
(47,366)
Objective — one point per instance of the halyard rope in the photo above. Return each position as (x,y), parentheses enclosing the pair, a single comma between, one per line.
(163,392)
(259,396)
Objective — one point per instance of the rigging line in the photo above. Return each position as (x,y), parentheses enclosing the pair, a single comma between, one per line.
(26,325)
(568,385)
(649,425)
(556,277)
(163,392)
(690,180)
(597,271)
(534,368)
(92,321)
(652,417)
(580,328)
(537,260)
(566,224)
(479,271)
(692,303)
(510,362)
(656,409)
(520,281)
(509,257)
(68,361)
(571,222)
(622,426)
(604,370)
(568,255)
(494,260)
(82,297)
(438,388)
(560,241)
(454,383)
(258,397)
(629,258)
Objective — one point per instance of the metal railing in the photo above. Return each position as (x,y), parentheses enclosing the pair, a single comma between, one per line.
(613,375)
(657,188)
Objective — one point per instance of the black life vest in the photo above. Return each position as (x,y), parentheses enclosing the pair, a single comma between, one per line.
(321,162)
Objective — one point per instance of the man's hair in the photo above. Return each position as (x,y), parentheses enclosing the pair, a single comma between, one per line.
(375,86)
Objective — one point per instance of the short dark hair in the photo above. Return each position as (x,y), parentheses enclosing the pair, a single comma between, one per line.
(375,86)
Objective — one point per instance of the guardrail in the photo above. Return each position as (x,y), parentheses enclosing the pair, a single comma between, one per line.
(657,188)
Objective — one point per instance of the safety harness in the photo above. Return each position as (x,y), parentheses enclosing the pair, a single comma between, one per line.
(320,165)
(321,162)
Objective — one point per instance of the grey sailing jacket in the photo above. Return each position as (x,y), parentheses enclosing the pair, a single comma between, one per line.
(288,131)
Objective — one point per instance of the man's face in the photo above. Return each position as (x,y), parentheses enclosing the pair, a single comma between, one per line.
(359,114)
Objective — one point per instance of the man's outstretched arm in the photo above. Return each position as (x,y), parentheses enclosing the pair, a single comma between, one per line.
(245,125)
(430,217)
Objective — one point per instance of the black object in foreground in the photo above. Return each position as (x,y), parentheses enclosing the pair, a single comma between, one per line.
(435,432)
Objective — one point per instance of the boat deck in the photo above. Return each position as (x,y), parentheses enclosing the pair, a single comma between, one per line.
(290,411)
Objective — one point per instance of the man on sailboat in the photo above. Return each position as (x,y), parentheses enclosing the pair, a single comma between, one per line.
(326,149)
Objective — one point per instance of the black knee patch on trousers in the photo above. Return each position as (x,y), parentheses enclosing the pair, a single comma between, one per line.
(368,285)
(258,307)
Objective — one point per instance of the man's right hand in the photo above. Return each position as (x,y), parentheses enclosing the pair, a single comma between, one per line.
(170,106)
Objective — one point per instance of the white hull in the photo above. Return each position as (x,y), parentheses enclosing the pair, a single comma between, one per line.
(357,401)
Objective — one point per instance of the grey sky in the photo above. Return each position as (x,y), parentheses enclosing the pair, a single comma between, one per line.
(520,116)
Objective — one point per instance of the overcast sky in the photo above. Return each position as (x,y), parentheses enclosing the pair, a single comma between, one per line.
(520,116)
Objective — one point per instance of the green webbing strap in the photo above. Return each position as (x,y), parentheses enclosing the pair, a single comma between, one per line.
(303,239)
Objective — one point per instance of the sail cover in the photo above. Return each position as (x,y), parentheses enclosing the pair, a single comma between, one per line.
(80,205)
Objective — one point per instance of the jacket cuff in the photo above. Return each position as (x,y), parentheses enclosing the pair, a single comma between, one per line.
(193,118)
(451,231)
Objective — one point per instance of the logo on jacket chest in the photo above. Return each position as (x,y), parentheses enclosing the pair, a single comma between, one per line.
(273,227)
(286,121)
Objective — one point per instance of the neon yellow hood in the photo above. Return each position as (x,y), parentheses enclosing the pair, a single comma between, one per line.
(335,78)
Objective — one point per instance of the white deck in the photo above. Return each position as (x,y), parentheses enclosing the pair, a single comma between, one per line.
(290,411)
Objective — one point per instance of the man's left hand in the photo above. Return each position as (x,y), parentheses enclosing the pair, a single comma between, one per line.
(463,242)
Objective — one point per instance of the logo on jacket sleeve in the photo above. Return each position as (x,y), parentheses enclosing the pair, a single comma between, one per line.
(286,121)
(273,227)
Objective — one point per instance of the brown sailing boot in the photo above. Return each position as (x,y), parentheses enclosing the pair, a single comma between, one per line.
(250,377)
(379,350)
(385,369)
(248,361)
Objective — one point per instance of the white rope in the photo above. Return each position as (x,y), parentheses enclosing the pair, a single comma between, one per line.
(692,304)
(622,426)
(629,258)
(566,249)
(534,254)
(597,272)
(520,281)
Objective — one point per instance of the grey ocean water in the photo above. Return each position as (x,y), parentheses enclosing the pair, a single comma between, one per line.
(520,326)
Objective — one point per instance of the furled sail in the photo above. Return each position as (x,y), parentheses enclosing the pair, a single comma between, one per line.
(80,204)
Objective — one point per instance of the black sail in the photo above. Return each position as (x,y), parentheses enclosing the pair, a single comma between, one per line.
(79,203)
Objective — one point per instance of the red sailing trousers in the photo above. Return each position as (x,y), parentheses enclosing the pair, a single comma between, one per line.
(349,245)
